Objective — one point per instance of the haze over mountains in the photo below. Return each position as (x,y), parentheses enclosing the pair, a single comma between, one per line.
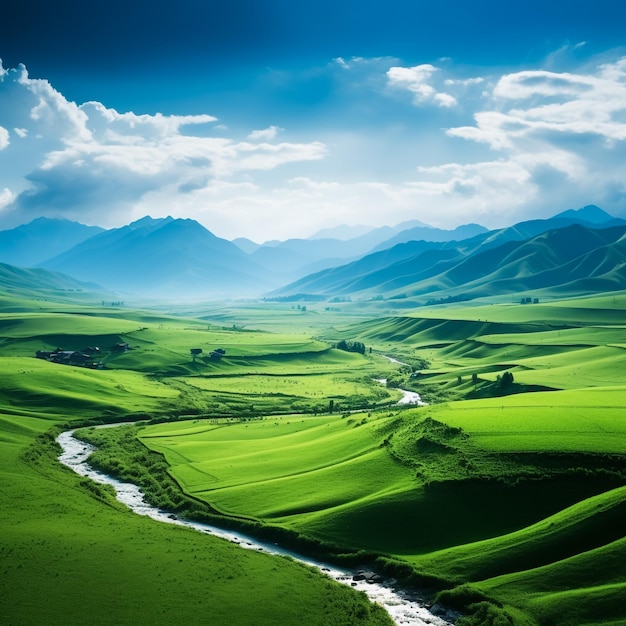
(41,239)
(174,257)
(487,264)
(575,251)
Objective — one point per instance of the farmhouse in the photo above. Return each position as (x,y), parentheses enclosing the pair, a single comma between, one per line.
(84,358)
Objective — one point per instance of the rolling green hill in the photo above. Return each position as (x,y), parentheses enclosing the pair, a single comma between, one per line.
(505,494)
(37,284)
(571,260)
(68,552)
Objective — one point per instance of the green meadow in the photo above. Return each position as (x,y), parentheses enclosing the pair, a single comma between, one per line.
(69,553)
(505,495)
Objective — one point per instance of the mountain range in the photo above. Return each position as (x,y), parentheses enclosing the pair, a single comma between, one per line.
(477,266)
(42,239)
(163,258)
(167,258)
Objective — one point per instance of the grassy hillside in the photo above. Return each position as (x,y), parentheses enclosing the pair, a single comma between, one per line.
(562,258)
(516,498)
(70,554)
(466,505)
(509,497)
(36,285)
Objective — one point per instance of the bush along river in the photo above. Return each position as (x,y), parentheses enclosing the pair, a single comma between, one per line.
(403,606)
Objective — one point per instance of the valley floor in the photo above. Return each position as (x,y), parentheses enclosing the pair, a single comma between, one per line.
(506,494)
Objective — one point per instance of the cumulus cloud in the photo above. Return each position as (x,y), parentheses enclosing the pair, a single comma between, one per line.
(417,80)
(266,134)
(94,163)
(538,103)
(561,134)
(6,197)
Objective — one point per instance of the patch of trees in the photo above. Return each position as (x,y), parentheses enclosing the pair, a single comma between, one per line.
(337,299)
(351,346)
(448,300)
(505,381)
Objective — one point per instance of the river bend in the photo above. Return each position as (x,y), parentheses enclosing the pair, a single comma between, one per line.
(401,605)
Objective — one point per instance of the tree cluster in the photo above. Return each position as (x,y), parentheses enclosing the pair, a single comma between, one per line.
(351,346)
(505,381)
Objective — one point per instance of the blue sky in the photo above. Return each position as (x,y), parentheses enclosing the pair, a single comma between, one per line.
(272,118)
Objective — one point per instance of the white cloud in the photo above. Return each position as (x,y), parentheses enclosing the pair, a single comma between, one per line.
(266,134)
(6,198)
(536,103)
(51,108)
(4,138)
(417,80)
(308,183)
(561,135)
(108,123)
(464,82)
(94,163)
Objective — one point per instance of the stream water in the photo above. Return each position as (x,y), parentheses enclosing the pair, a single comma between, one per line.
(403,606)
(408,397)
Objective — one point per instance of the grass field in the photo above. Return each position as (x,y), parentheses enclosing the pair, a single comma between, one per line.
(589,420)
(539,497)
(70,555)
(540,472)
(509,498)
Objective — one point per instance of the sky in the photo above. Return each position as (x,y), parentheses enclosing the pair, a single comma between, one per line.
(271,119)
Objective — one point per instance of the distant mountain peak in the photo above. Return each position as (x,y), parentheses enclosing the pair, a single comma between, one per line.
(590,213)
(411,224)
(343,232)
(42,238)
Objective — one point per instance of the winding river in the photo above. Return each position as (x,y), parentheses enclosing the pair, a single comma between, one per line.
(402,606)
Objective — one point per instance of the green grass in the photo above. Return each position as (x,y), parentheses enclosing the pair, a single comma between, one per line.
(592,524)
(35,386)
(335,479)
(69,555)
(583,420)
(519,496)
(274,468)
